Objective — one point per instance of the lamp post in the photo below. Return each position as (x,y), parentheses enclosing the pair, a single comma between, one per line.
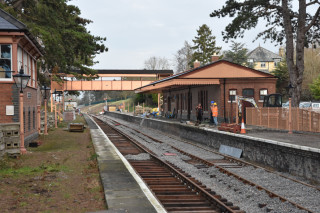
(290,108)
(45,89)
(21,81)
(55,109)
(59,97)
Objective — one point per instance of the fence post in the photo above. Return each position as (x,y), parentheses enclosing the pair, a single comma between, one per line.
(237,111)
(290,117)
(252,116)
(310,120)
(298,119)
(268,118)
(260,122)
(277,117)
(318,122)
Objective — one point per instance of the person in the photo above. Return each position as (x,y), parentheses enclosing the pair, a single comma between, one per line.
(199,113)
(214,111)
(211,118)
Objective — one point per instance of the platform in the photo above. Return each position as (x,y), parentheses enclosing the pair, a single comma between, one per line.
(296,154)
(123,188)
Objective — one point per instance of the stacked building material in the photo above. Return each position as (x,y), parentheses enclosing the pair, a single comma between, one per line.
(10,140)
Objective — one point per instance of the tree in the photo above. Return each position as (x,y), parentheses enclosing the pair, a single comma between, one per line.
(67,43)
(204,45)
(315,88)
(183,58)
(312,68)
(237,54)
(281,72)
(298,28)
(157,63)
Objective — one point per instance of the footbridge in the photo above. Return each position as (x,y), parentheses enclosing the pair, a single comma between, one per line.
(111,80)
(108,80)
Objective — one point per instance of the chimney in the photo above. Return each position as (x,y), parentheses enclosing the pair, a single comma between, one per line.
(196,64)
(215,57)
(281,51)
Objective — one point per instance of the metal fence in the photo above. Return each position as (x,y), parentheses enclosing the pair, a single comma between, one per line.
(278,118)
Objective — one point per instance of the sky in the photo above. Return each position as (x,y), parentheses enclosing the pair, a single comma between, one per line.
(139,29)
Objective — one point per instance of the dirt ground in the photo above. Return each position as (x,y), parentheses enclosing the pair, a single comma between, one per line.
(61,175)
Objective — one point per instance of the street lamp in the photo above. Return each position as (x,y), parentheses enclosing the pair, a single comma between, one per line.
(59,98)
(55,108)
(290,87)
(21,81)
(45,89)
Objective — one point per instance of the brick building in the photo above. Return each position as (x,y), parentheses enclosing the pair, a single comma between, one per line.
(18,49)
(218,81)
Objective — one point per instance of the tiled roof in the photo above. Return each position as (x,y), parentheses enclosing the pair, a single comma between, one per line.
(203,66)
(262,54)
(5,25)
(9,23)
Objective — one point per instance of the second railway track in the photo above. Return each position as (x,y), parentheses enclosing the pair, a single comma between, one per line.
(218,163)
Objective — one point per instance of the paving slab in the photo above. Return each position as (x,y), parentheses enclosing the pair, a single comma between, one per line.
(123,188)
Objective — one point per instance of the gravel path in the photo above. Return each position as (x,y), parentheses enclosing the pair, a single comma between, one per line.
(248,198)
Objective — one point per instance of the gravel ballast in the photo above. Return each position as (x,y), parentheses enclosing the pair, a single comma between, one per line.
(248,198)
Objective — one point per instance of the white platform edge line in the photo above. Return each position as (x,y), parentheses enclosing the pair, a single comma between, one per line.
(153,200)
(279,143)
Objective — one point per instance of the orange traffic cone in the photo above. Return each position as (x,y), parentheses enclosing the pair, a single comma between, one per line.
(243,128)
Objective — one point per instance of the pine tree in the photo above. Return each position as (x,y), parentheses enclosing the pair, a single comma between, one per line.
(237,54)
(67,43)
(204,45)
(295,22)
(282,74)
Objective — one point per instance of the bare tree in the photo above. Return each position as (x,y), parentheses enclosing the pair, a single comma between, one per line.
(157,63)
(183,58)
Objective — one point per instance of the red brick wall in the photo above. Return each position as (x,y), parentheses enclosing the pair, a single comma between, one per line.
(10,96)
(5,99)
(239,85)
(216,93)
(30,103)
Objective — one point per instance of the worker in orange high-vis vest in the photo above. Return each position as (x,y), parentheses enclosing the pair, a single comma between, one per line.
(214,110)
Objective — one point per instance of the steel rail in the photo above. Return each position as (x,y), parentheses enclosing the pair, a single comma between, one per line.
(191,184)
(244,180)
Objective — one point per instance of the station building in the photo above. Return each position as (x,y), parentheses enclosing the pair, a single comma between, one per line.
(18,49)
(219,81)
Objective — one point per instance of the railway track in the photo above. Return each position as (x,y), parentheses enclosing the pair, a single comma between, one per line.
(224,164)
(176,190)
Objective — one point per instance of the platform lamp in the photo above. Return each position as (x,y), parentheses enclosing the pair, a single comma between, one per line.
(45,89)
(55,108)
(21,80)
(289,88)
(59,97)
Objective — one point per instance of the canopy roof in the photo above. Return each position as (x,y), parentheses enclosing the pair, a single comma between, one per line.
(209,74)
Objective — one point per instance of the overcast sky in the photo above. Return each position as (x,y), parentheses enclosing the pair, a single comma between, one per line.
(139,29)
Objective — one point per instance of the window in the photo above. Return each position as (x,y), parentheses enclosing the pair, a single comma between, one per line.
(34,118)
(5,61)
(29,119)
(263,92)
(232,94)
(263,64)
(248,93)
(203,99)
(276,62)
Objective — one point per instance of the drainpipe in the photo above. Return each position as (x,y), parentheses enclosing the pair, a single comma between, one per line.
(224,100)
